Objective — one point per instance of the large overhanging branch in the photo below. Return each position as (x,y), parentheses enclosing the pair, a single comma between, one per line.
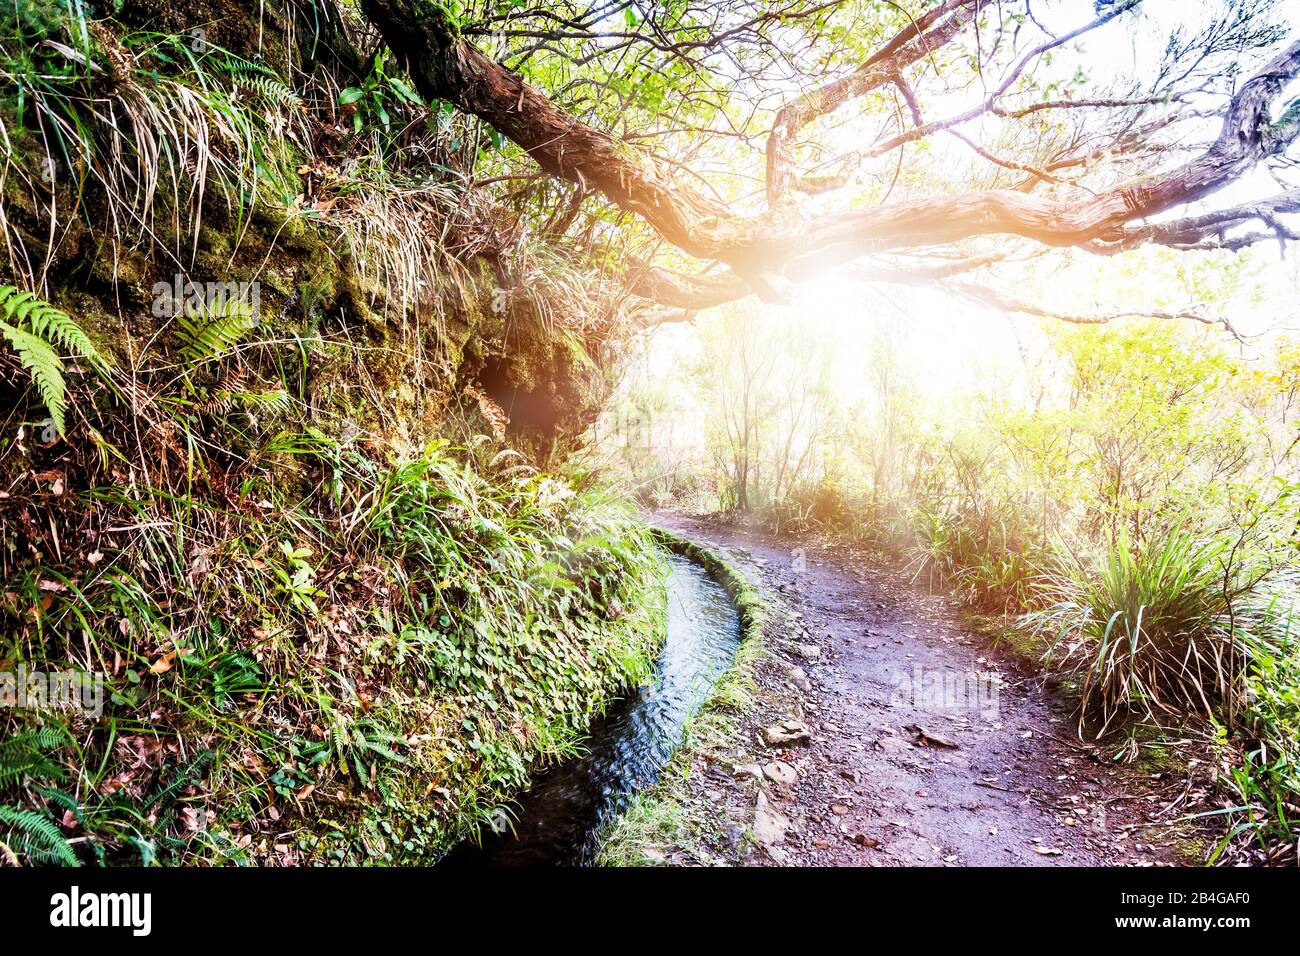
(1210,230)
(945,276)
(687,295)
(765,251)
(881,69)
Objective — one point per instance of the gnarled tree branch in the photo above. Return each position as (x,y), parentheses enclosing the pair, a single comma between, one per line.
(766,251)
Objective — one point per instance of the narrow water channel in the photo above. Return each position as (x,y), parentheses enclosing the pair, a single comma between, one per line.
(560,818)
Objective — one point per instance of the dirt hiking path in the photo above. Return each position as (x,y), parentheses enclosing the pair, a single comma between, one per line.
(912,755)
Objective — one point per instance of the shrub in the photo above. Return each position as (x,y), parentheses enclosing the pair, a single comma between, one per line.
(990,563)
(1267,780)
(1167,625)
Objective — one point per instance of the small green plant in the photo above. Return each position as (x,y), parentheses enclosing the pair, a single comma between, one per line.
(234,673)
(213,330)
(378,97)
(26,754)
(296,576)
(36,835)
(36,330)
(361,745)
(262,81)
(32,833)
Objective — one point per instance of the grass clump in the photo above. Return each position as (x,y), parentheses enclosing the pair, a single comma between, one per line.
(1177,626)
(1146,627)
(1162,626)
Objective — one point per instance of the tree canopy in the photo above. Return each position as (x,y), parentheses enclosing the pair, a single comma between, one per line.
(768,142)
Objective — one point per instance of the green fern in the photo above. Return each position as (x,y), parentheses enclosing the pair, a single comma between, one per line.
(273,402)
(25,754)
(361,745)
(35,330)
(263,81)
(36,835)
(272,91)
(209,334)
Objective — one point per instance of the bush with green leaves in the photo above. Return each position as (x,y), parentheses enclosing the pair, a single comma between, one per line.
(380,95)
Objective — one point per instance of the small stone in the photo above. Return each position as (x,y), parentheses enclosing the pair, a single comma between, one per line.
(785,733)
(781,773)
(769,823)
(932,738)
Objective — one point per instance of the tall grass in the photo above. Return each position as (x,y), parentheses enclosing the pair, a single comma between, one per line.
(988,561)
(1163,626)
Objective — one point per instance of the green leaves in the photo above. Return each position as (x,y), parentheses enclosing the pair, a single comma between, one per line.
(379,97)
(360,746)
(36,835)
(211,332)
(25,755)
(34,329)
(33,833)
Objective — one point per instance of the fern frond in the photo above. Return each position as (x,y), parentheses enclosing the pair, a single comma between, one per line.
(24,755)
(274,401)
(271,402)
(64,800)
(38,738)
(263,81)
(270,90)
(57,327)
(46,322)
(241,67)
(383,751)
(45,368)
(206,336)
(38,836)
(339,740)
(37,329)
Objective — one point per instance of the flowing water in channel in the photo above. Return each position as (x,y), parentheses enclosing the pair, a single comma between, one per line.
(559,819)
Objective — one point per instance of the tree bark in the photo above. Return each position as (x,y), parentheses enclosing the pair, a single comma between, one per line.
(783,243)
